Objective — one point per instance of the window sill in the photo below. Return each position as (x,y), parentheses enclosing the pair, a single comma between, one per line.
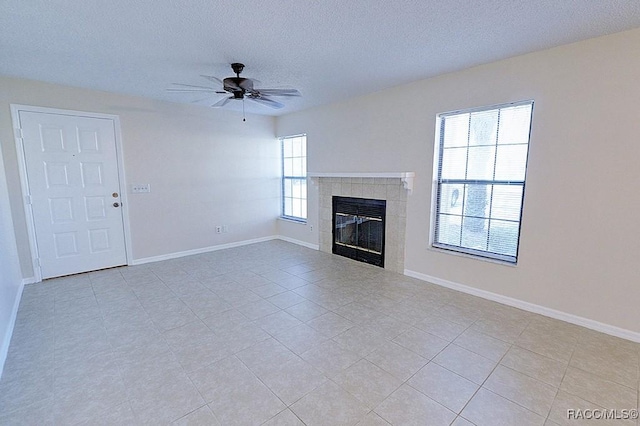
(471,256)
(293,220)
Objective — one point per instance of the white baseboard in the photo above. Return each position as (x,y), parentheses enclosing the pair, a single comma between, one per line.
(4,350)
(200,250)
(298,242)
(531,307)
(30,280)
(176,255)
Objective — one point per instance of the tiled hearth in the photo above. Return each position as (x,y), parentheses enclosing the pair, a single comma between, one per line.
(392,190)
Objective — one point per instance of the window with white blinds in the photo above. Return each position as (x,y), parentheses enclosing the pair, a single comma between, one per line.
(294,177)
(481,169)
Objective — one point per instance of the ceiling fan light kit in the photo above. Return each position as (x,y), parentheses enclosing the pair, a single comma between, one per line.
(239,88)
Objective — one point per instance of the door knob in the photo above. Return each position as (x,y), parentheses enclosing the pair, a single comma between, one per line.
(116,204)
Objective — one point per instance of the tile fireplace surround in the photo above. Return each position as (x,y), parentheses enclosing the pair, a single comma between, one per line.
(391,187)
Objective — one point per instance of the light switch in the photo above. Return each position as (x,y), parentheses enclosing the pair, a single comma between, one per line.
(140,188)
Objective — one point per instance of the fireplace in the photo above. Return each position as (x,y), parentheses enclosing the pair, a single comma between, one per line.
(359,229)
(393,187)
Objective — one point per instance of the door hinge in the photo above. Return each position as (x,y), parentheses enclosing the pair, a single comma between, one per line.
(36,262)
(19,133)
(27,199)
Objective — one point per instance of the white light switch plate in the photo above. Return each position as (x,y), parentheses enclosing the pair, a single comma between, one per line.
(138,189)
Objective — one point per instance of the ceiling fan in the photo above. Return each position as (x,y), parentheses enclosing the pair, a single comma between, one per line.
(239,88)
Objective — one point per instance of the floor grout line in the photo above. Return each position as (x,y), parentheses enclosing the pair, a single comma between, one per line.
(371,292)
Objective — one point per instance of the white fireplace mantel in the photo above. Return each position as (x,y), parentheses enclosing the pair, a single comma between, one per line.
(405,177)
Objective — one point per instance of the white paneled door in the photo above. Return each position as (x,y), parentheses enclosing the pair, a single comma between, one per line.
(74,192)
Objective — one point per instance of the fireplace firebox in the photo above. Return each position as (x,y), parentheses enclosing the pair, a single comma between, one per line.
(358,229)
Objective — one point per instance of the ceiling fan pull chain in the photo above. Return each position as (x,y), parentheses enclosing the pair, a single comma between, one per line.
(243,117)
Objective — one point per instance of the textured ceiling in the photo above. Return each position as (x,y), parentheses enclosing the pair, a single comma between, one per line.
(328,49)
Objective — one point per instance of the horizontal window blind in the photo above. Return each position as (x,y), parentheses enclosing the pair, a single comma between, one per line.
(482,162)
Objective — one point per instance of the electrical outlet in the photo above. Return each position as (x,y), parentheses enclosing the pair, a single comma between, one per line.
(311,228)
(140,188)
(218,229)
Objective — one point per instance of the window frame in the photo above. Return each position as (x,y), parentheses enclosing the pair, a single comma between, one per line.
(438,182)
(284,178)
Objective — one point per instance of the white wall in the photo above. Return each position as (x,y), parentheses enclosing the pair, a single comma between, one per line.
(580,236)
(10,277)
(206,167)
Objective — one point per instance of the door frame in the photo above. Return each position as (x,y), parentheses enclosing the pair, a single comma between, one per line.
(24,181)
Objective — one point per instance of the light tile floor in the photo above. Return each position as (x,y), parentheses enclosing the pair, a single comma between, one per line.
(276,334)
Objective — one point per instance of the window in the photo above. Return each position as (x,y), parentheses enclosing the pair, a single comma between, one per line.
(481,165)
(294,177)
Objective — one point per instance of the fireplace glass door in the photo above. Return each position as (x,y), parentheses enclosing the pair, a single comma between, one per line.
(358,229)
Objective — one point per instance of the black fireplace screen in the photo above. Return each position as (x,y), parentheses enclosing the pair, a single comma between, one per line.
(358,229)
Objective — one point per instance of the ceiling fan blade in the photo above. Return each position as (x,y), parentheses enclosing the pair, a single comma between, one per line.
(246,84)
(222,102)
(266,101)
(193,86)
(279,92)
(212,79)
(231,85)
(175,90)
(199,100)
